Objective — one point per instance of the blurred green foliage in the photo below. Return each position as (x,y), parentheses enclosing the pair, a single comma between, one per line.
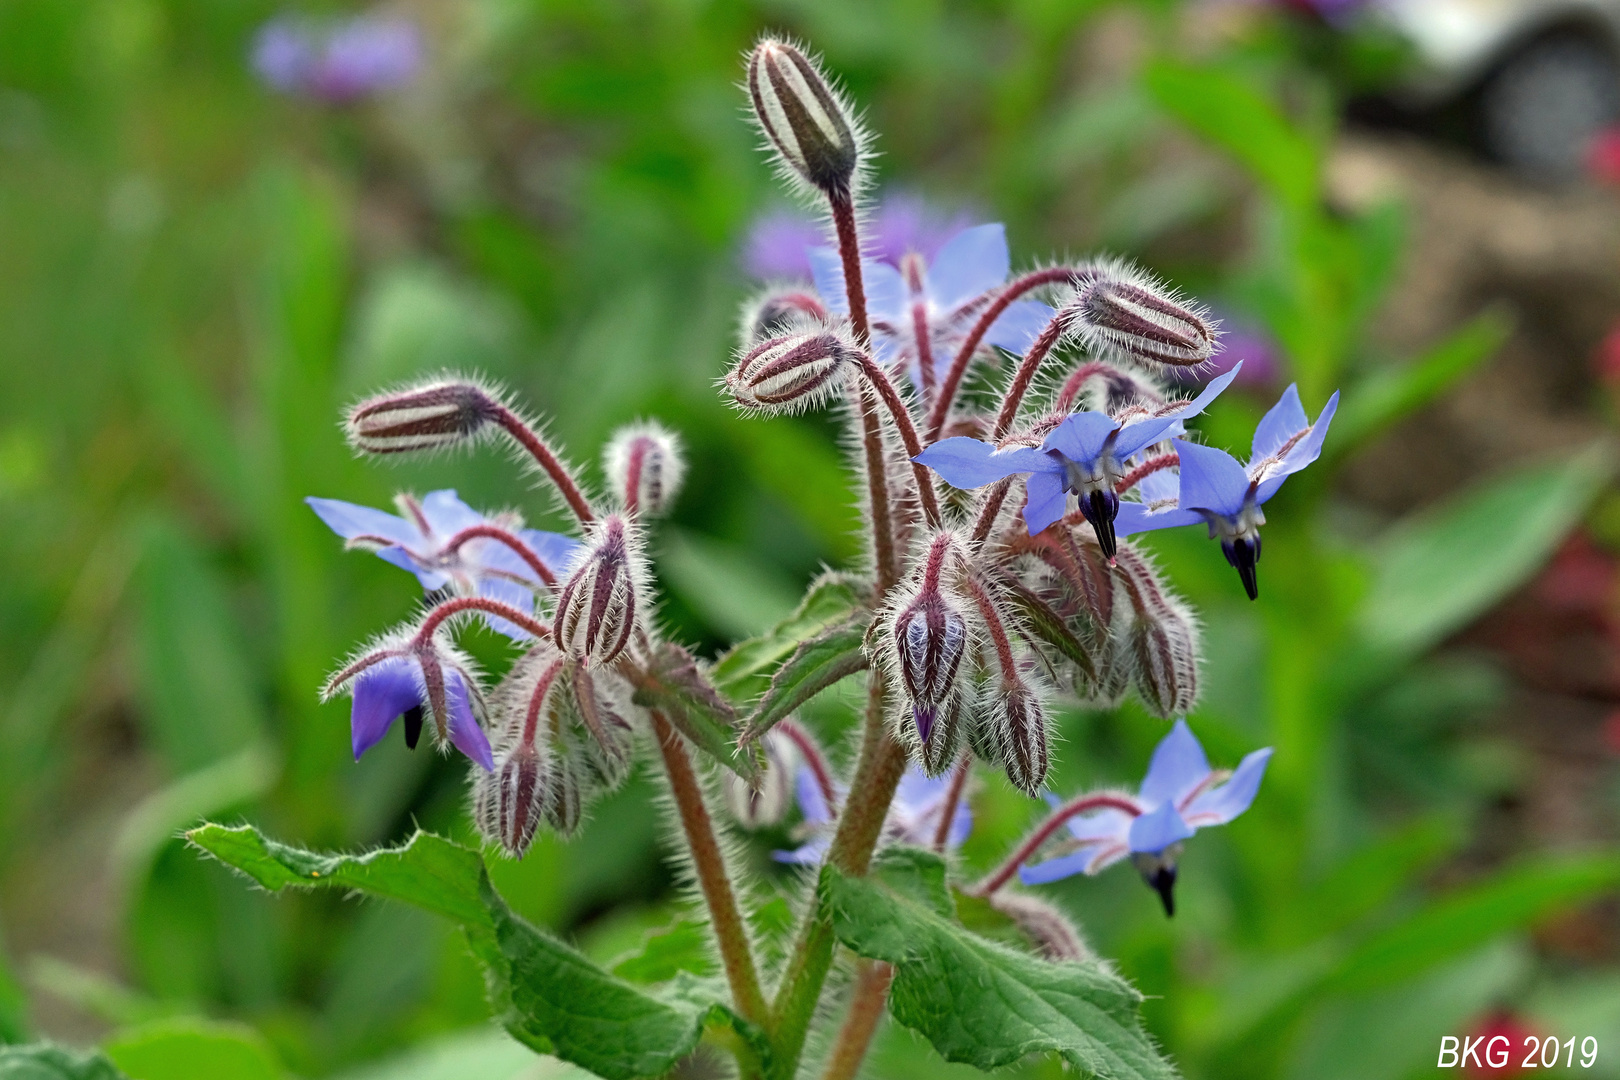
(196,274)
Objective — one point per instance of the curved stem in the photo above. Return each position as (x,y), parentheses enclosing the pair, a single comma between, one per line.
(1147,468)
(480,603)
(1077,381)
(729,930)
(1080,804)
(813,758)
(908,435)
(872,979)
(953,796)
(990,509)
(953,378)
(530,440)
(511,541)
(1026,374)
(925,349)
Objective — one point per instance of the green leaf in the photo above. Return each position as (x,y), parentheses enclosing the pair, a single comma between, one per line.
(43,1061)
(675,684)
(547,995)
(486,1055)
(190,1047)
(977,1001)
(1237,118)
(830,600)
(1440,569)
(822,661)
(1046,624)
(1390,394)
(664,955)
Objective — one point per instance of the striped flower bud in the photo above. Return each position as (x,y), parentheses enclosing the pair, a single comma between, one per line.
(807,123)
(598,606)
(425,417)
(1016,715)
(509,803)
(600,699)
(1123,310)
(791,372)
(940,749)
(1047,928)
(776,311)
(565,808)
(1163,640)
(930,638)
(644,464)
(767,804)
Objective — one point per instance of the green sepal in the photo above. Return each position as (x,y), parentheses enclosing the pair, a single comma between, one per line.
(815,665)
(676,685)
(831,599)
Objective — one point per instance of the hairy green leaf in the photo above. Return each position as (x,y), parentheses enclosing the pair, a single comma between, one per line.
(977,1001)
(1039,619)
(547,995)
(665,954)
(676,685)
(741,671)
(43,1061)
(832,655)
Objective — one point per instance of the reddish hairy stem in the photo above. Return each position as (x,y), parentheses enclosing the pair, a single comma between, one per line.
(925,349)
(992,507)
(512,541)
(953,378)
(908,435)
(710,866)
(812,756)
(1025,375)
(953,796)
(1077,380)
(632,475)
(992,622)
(480,603)
(537,448)
(1147,468)
(872,979)
(1080,804)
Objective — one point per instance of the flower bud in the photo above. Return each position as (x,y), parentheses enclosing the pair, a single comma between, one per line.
(804,119)
(930,637)
(766,805)
(1123,310)
(426,417)
(601,700)
(939,751)
(1047,928)
(776,311)
(643,463)
(598,606)
(791,372)
(565,809)
(1163,640)
(1017,716)
(509,803)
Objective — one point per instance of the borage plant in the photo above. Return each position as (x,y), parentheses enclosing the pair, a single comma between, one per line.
(979,600)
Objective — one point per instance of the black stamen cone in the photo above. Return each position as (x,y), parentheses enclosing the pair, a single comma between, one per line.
(413,725)
(1243,555)
(1163,882)
(1100,509)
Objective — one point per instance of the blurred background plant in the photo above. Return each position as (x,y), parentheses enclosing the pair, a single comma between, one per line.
(219,222)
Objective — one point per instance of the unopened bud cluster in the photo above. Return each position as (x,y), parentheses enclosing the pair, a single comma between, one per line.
(430,416)
(807,123)
(791,372)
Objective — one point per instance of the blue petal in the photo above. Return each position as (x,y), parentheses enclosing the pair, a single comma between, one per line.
(1055,869)
(507,592)
(1158,829)
(1226,802)
(381,693)
(1285,419)
(917,789)
(557,551)
(885,291)
(1304,452)
(465,732)
(1211,480)
(349,521)
(431,580)
(827,270)
(1044,501)
(969,463)
(1109,825)
(1017,328)
(812,803)
(1134,518)
(808,855)
(1140,433)
(973,261)
(447,514)
(961,825)
(1081,436)
(1177,767)
(1161,486)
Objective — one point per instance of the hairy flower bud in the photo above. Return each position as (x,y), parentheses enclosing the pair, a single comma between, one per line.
(509,803)
(1016,715)
(426,417)
(1047,928)
(601,699)
(565,809)
(1126,311)
(1163,640)
(598,607)
(766,805)
(940,750)
(644,464)
(805,120)
(930,637)
(776,311)
(791,372)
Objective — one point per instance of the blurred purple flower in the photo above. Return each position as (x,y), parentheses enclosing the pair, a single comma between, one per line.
(339,62)
(913,816)
(903,223)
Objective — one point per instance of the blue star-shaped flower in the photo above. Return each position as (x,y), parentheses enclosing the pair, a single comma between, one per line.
(1215,489)
(1088,454)
(913,816)
(951,292)
(1180,795)
(480,567)
(396,686)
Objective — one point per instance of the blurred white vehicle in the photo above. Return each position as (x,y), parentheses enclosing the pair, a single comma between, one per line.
(1543,75)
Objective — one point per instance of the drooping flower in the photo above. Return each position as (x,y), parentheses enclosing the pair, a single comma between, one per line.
(427,539)
(1180,795)
(339,63)
(1226,495)
(924,308)
(419,681)
(914,815)
(1087,454)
